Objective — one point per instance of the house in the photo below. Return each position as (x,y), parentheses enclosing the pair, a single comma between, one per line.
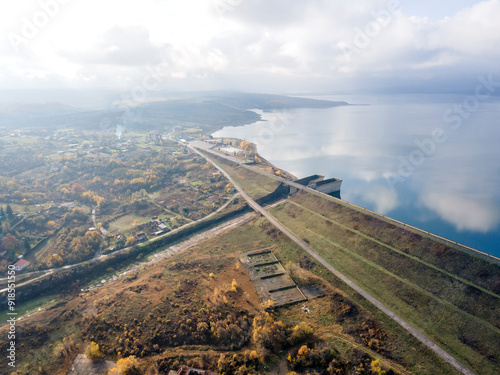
(140,236)
(162,227)
(185,370)
(20,265)
(67,205)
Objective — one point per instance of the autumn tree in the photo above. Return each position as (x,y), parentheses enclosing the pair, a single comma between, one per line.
(300,332)
(375,367)
(234,286)
(5,227)
(9,242)
(248,148)
(268,333)
(126,366)
(77,188)
(92,351)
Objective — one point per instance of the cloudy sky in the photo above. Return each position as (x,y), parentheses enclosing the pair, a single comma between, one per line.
(252,45)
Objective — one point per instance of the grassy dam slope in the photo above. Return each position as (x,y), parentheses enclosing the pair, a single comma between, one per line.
(449,295)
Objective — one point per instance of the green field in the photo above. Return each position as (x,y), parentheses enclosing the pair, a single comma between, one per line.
(256,185)
(450,308)
(126,222)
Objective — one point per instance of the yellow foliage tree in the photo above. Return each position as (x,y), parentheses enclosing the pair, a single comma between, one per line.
(268,304)
(234,286)
(125,366)
(303,351)
(375,365)
(92,351)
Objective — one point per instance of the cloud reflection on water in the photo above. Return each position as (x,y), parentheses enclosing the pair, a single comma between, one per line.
(361,144)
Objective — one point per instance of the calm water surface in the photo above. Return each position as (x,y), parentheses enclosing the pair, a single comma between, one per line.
(407,157)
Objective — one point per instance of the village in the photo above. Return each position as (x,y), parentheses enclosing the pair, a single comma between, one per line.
(72,195)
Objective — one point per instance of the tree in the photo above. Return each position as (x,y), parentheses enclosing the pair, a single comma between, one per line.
(9,242)
(9,212)
(248,148)
(300,332)
(27,245)
(130,241)
(77,188)
(92,351)
(303,351)
(375,365)
(268,333)
(234,286)
(126,366)
(5,227)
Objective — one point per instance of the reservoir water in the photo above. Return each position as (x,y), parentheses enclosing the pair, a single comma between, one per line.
(432,161)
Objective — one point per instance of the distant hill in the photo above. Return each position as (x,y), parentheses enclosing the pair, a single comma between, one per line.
(268,102)
(210,110)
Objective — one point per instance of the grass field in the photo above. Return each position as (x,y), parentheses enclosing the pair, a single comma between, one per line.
(457,313)
(30,307)
(407,350)
(255,184)
(126,222)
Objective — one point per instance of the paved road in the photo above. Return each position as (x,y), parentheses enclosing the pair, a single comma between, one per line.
(206,147)
(417,334)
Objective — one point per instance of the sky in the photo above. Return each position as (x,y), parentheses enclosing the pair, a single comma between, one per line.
(281,46)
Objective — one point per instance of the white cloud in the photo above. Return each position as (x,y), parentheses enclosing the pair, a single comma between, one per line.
(383,198)
(270,45)
(465,213)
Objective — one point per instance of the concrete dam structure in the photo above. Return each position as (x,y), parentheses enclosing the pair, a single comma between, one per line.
(317,182)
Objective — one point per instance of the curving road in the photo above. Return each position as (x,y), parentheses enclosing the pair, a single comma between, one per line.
(206,147)
(413,331)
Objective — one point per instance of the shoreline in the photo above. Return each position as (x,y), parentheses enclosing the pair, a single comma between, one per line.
(423,232)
